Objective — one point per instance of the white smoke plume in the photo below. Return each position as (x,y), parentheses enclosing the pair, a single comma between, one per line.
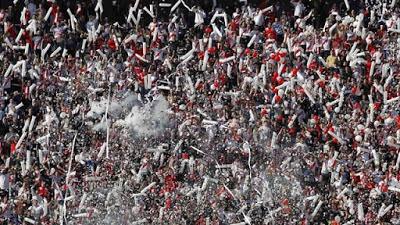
(116,107)
(129,113)
(147,120)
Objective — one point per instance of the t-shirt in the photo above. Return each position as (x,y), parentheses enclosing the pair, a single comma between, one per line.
(32,8)
(326,43)
(298,9)
(36,211)
(4,181)
(278,28)
(199,17)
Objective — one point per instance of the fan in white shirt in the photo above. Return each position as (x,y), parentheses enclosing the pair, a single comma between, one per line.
(36,209)
(298,8)
(199,15)
(4,180)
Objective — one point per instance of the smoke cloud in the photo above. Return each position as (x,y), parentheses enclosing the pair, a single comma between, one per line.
(131,114)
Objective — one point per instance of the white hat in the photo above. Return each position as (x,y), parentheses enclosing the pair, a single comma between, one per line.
(390,139)
(360,127)
(280,92)
(77,158)
(377,123)
(388,121)
(358,138)
(182,107)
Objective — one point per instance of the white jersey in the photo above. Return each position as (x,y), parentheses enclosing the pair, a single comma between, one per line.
(298,9)
(199,17)
(4,181)
(326,43)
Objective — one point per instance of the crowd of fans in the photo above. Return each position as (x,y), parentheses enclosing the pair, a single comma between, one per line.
(260,116)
